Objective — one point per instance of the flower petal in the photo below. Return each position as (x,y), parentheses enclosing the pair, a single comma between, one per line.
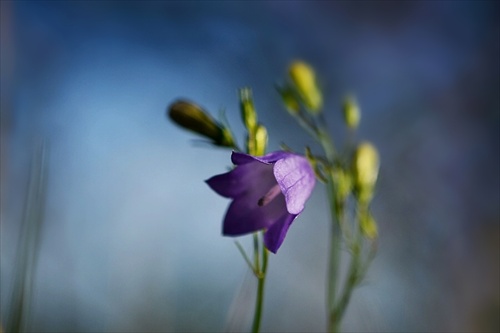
(296,179)
(241,158)
(275,235)
(247,177)
(244,215)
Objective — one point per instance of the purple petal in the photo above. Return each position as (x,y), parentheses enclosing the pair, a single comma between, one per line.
(258,204)
(241,158)
(275,235)
(296,180)
(244,215)
(244,178)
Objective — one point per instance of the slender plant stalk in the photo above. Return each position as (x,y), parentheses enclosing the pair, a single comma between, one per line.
(353,279)
(335,237)
(261,281)
(334,261)
(337,303)
(336,172)
(256,260)
(29,244)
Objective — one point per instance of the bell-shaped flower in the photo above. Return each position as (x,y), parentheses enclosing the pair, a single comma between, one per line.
(268,193)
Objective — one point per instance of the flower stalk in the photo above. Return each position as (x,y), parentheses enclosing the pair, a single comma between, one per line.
(345,181)
(256,145)
(269,191)
(260,274)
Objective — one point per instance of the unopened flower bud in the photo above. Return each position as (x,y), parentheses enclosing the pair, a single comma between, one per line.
(248,113)
(352,115)
(260,140)
(365,169)
(304,79)
(344,184)
(193,118)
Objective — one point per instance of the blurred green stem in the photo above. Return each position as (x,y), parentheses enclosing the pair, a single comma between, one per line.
(261,280)
(29,244)
(354,277)
(335,308)
(335,235)
(338,177)
(334,259)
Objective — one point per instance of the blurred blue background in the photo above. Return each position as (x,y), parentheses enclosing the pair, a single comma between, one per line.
(131,234)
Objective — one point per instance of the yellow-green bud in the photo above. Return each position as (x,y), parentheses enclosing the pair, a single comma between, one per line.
(344,184)
(248,113)
(368,225)
(352,115)
(304,79)
(193,118)
(365,170)
(260,140)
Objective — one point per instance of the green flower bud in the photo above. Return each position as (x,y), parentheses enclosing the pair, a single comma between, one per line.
(248,113)
(304,79)
(193,118)
(260,140)
(365,171)
(344,184)
(352,115)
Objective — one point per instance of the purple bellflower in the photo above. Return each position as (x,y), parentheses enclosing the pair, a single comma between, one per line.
(268,193)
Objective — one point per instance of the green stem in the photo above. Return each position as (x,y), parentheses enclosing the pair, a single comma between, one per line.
(259,303)
(337,298)
(325,139)
(318,130)
(334,259)
(245,257)
(307,124)
(335,236)
(354,277)
(29,244)
(256,262)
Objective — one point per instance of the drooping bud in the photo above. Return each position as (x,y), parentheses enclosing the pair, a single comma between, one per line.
(260,140)
(248,113)
(193,118)
(365,170)
(351,112)
(304,79)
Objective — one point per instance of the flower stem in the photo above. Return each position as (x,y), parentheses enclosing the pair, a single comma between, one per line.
(334,317)
(334,260)
(353,279)
(256,261)
(261,280)
(337,297)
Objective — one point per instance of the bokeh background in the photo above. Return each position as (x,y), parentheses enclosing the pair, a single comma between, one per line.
(130,239)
